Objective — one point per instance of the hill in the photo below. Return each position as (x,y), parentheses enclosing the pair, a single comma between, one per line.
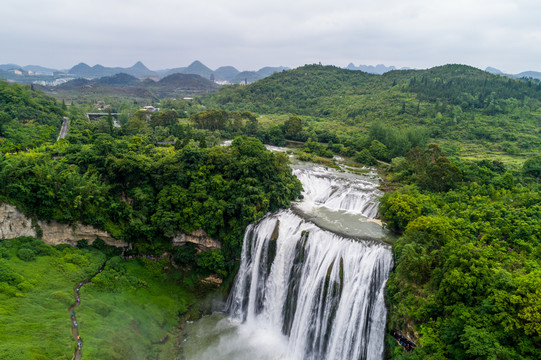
(246,77)
(525,74)
(123,87)
(197,68)
(97,71)
(175,84)
(225,73)
(253,76)
(378,69)
(27,117)
(119,80)
(454,102)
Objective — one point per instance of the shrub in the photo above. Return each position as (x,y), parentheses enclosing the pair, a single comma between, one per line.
(4,253)
(212,261)
(184,254)
(99,244)
(364,157)
(26,254)
(532,167)
(82,244)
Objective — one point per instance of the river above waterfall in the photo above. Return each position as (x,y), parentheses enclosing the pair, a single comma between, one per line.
(311,280)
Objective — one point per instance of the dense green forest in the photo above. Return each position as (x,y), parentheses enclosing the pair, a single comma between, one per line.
(467,277)
(27,117)
(456,104)
(146,194)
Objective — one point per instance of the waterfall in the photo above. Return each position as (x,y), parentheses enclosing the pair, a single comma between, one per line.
(322,291)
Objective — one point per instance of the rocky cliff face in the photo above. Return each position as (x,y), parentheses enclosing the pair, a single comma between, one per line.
(199,237)
(14,224)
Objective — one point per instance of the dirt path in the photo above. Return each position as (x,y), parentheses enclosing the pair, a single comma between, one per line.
(71,310)
(63,129)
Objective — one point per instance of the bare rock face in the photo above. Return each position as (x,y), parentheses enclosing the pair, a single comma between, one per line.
(212,280)
(199,237)
(14,224)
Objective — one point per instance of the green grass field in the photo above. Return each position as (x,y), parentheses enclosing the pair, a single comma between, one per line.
(35,296)
(129,311)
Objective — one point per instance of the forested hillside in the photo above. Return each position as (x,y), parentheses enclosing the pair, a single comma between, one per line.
(453,102)
(27,117)
(146,194)
(467,277)
(118,180)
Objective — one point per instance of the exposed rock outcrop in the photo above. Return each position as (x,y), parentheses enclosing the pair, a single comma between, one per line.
(212,280)
(199,237)
(14,224)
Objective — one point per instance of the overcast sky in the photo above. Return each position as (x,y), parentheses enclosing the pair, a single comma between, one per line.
(250,34)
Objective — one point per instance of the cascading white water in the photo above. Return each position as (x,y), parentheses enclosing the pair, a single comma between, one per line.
(346,192)
(307,293)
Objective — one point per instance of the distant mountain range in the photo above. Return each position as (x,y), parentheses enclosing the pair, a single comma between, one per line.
(525,74)
(34,68)
(379,69)
(97,71)
(126,85)
(225,74)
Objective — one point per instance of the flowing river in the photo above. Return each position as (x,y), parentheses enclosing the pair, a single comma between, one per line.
(311,280)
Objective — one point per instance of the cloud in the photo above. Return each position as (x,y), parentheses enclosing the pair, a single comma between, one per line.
(251,34)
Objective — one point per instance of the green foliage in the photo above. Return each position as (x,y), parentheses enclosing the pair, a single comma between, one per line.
(211,120)
(28,118)
(184,255)
(467,268)
(456,103)
(211,261)
(293,126)
(365,157)
(400,208)
(82,244)
(99,244)
(532,167)
(145,194)
(26,254)
(379,151)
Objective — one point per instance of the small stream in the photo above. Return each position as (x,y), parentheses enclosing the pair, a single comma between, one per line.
(71,310)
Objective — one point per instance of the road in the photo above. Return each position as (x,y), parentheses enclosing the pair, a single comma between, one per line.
(64,129)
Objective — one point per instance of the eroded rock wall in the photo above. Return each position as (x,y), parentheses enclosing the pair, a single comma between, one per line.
(14,224)
(199,237)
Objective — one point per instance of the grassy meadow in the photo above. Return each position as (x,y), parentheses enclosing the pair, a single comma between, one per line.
(128,311)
